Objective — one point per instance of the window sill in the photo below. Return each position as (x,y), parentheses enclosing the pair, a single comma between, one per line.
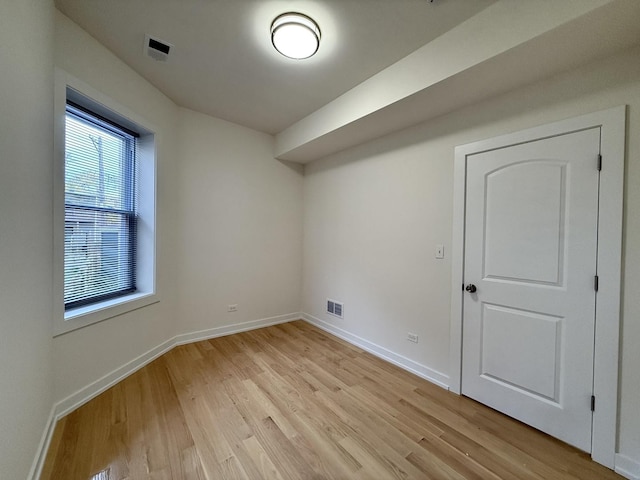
(83,316)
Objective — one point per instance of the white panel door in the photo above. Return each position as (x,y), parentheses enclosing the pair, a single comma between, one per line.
(530,251)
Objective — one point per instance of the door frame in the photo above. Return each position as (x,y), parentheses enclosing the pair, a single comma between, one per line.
(612,123)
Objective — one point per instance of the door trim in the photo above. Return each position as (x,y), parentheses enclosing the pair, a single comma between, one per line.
(612,123)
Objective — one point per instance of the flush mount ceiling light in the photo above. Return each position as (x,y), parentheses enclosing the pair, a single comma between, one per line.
(295,35)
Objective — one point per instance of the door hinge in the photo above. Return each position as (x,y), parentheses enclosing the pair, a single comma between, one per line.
(596,282)
(593,403)
(599,162)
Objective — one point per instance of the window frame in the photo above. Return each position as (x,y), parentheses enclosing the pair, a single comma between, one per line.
(68,88)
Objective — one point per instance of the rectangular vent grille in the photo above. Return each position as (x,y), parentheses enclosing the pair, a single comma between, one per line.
(157,49)
(335,308)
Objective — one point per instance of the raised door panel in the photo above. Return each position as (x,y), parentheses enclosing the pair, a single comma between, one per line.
(521,350)
(524,226)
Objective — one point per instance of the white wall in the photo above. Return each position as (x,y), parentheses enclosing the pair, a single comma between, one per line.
(373,215)
(85,355)
(372,219)
(26,145)
(239,224)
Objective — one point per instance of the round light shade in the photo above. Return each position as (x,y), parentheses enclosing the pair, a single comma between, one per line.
(295,35)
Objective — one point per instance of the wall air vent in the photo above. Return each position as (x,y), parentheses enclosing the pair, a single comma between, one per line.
(156,49)
(335,308)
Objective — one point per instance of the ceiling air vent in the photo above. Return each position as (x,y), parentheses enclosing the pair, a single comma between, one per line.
(335,308)
(156,49)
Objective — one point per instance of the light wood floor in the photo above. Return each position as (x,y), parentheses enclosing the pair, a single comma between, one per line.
(292,402)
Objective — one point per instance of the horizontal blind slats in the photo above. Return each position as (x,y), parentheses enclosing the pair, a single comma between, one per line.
(100,212)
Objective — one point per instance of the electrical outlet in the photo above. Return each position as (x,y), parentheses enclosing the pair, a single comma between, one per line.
(412,337)
(232,308)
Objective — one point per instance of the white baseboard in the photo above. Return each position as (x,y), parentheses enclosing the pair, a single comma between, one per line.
(43,446)
(82,396)
(235,328)
(405,363)
(627,467)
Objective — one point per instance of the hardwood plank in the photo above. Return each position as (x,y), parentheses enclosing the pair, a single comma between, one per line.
(293,402)
(261,459)
(320,447)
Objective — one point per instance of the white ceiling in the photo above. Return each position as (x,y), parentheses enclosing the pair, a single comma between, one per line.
(223,64)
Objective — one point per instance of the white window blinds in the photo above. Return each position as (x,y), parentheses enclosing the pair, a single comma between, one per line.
(100,209)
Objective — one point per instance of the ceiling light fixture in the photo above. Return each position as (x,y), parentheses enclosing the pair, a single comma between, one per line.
(295,35)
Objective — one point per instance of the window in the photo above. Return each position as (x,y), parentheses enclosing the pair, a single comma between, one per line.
(104,207)
(100,219)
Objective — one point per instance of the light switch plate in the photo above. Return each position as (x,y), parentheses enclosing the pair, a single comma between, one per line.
(439,251)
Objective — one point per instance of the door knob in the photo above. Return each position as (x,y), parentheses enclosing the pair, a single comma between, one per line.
(471,288)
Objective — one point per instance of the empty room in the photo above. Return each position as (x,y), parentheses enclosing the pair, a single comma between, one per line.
(328,239)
